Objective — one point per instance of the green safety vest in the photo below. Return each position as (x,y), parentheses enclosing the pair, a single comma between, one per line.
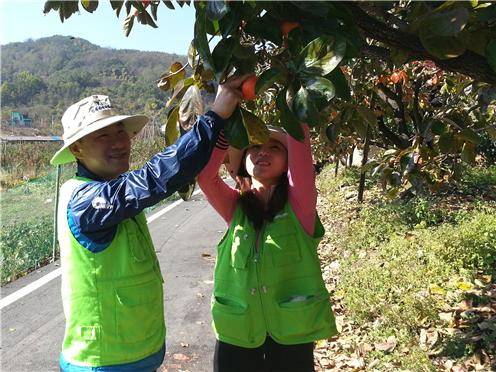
(270,282)
(113,299)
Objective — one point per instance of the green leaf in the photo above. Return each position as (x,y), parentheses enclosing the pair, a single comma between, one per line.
(390,152)
(320,87)
(332,132)
(446,143)
(186,191)
(67,8)
(469,135)
(171,127)
(222,54)
(321,55)
(255,128)
(475,41)
(146,19)
(393,192)
(244,52)
(267,79)
(168,4)
(128,24)
(216,9)
(468,153)
(492,132)
(182,2)
(340,83)
(304,107)
(491,54)
(265,28)
(179,91)
(212,27)
(448,23)
(315,8)
(89,5)
(399,56)
(235,130)
(438,127)
(51,5)
(192,54)
(200,39)
(230,22)
(154,7)
(367,114)
(443,47)
(359,125)
(287,118)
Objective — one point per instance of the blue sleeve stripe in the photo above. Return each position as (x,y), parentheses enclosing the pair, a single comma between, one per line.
(83,239)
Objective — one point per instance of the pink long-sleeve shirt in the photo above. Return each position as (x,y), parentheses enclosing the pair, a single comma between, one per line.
(302,194)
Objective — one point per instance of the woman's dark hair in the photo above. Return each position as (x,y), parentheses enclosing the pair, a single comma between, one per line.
(254,208)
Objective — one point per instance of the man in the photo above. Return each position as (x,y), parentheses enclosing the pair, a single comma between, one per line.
(111,280)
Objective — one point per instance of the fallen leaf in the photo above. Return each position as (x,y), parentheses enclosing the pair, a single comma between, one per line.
(465,286)
(435,289)
(180,356)
(387,346)
(373,363)
(447,317)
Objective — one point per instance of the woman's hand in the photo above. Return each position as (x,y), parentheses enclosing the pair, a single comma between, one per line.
(228,96)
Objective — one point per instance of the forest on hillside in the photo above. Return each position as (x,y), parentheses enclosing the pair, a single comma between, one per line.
(42,77)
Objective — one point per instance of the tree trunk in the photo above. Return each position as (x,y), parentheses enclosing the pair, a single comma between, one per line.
(350,159)
(336,167)
(366,147)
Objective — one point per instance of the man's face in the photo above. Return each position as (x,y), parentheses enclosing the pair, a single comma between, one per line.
(104,152)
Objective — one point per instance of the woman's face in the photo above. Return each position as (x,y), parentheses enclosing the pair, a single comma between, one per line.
(266,163)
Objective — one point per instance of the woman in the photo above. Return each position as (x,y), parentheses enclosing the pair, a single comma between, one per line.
(270,302)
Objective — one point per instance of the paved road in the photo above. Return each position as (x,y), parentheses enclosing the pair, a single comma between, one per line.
(185,240)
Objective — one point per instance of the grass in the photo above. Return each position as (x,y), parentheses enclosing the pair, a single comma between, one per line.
(402,263)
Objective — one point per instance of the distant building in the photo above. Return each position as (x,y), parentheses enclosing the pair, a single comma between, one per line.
(20,120)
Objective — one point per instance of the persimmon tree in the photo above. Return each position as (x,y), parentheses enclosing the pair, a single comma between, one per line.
(413,78)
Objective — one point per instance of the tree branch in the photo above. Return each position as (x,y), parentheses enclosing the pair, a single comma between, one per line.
(469,63)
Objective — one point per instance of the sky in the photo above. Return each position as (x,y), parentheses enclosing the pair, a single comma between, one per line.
(24,19)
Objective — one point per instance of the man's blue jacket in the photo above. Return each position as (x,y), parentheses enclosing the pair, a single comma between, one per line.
(97,207)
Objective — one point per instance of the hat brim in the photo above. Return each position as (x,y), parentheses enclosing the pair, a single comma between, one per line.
(132,124)
(236,155)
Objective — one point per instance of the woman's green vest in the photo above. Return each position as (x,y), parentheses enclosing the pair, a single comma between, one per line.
(113,299)
(270,282)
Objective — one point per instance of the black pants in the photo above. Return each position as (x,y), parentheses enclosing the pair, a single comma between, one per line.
(270,357)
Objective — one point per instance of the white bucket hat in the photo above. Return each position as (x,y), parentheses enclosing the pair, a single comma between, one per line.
(235,156)
(89,115)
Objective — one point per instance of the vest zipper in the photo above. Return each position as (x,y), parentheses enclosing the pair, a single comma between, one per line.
(261,288)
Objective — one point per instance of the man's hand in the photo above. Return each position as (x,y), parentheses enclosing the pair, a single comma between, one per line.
(228,96)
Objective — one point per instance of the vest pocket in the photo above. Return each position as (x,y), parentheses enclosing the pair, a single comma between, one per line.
(284,249)
(302,316)
(139,313)
(241,247)
(231,318)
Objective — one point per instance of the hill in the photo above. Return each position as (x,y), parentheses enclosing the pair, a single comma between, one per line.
(42,77)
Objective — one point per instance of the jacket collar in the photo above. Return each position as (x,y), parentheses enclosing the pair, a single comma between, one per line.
(82,171)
